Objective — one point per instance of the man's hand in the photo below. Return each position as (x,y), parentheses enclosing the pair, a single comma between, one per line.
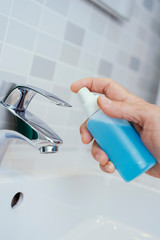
(117,102)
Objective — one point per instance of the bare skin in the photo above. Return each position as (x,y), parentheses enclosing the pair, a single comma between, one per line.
(117,102)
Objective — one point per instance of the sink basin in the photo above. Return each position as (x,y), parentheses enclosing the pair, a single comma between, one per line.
(77,206)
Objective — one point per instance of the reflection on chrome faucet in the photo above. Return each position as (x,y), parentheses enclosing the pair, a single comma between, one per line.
(17,122)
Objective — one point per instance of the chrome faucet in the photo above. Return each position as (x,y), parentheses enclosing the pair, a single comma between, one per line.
(17,122)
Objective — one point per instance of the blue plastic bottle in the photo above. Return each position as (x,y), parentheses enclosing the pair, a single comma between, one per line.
(118,139)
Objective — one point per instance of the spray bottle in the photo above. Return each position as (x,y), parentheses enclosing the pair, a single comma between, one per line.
(117,138)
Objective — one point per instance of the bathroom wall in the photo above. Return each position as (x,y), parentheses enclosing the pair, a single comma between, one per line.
(51,43)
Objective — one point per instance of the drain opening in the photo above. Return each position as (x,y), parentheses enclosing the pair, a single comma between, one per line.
(17,200)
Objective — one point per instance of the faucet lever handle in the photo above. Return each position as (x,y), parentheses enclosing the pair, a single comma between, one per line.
(18,97)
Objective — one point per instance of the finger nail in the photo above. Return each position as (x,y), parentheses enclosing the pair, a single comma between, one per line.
(105,100)
(109,167)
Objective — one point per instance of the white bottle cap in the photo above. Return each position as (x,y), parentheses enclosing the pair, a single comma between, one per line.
(89,101)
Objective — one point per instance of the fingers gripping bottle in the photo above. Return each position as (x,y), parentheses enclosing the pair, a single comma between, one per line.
(117,138)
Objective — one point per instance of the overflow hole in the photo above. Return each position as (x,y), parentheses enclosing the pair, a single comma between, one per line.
(17,200)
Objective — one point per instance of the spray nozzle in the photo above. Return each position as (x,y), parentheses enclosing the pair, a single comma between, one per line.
(89,100)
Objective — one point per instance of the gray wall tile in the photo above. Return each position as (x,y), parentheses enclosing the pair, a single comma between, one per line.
(74,34)
(155,26)
(157,60)
(58,6)
(40,1)
(76,16)
(76,118)
(5,6)
(3,25)
(134,63)
(63,92)
(109,51)
(43,68)
(146,70)
(148,4)
(0,48)
(97,23)
(142,33)
(153,42)
(11,77)
(88,62)
(48,46)
(27,11)
(113,32)
(123,58)
(53,24)
(105,68)
(58,116)
(157,9)
(93,42)
(144,83)
(21,35)
(15,60)
(65,74)
(70,54)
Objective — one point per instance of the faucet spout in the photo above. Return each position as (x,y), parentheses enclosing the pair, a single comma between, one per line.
(18,97)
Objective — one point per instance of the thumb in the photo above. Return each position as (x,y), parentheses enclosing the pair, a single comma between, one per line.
(133,112)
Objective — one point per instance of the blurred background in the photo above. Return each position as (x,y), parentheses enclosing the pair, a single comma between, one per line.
(52,43)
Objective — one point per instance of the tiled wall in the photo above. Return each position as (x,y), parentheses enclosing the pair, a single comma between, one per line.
(51,43)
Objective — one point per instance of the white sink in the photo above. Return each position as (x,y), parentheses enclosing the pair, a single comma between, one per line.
(82,206)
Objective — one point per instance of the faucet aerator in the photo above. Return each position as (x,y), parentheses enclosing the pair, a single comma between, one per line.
(48,149)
